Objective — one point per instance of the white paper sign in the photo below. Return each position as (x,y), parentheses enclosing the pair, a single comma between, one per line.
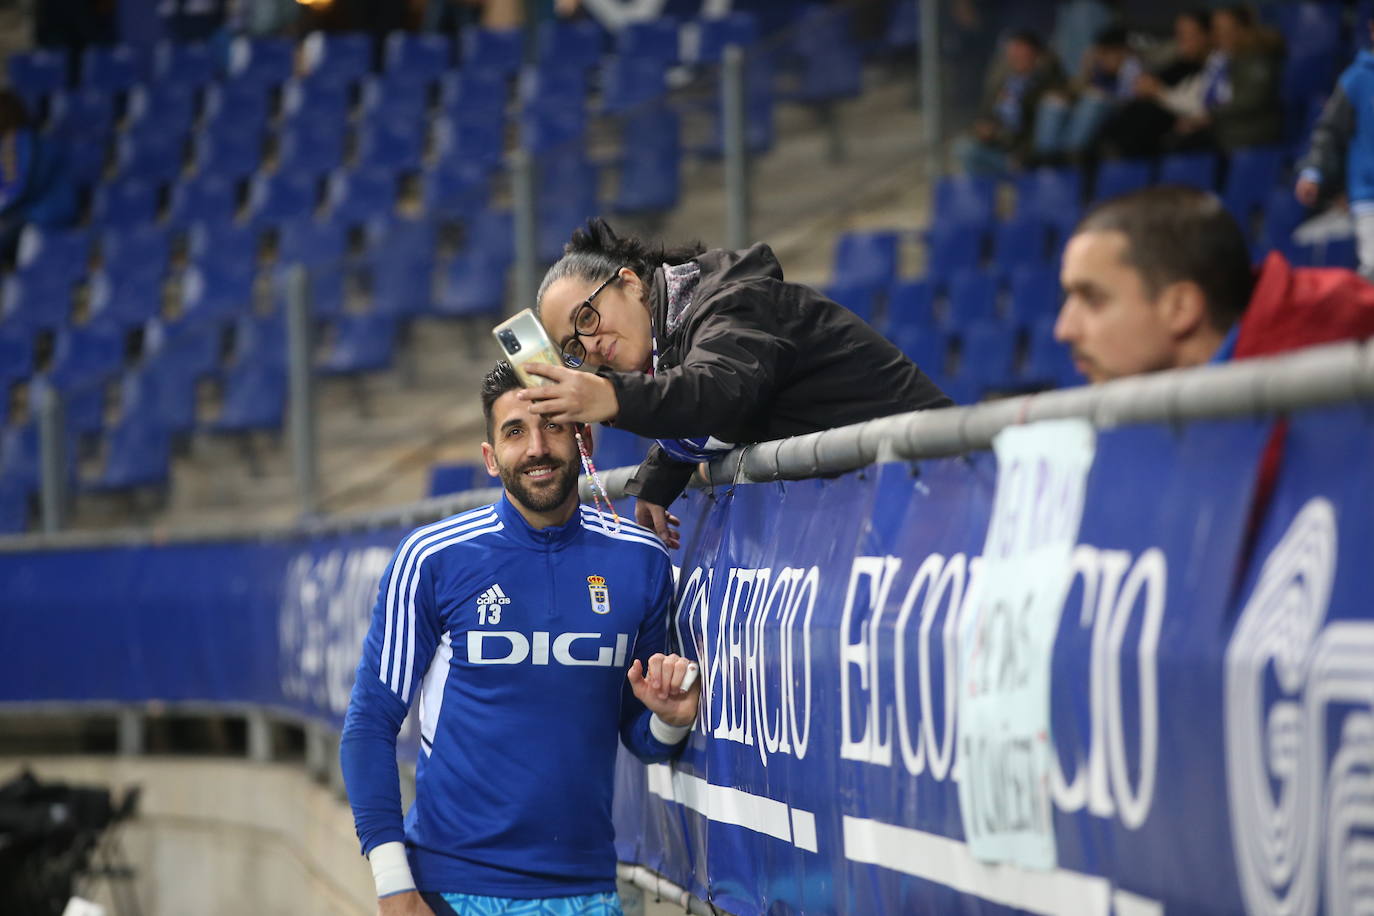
(1006,638)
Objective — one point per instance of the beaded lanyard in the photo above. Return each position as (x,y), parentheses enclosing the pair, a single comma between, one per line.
(595,483)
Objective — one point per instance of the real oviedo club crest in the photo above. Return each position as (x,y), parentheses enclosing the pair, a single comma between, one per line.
(601,596)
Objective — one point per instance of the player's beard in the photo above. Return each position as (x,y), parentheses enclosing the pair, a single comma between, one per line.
(545,495)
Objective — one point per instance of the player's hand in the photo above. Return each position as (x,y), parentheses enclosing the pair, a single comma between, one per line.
(660,688)
(409,903)
(570,396)
(1306,192)
(664,523)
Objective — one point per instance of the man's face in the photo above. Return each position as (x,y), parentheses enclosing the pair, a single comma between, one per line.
(536,459)
(1108,318)
(1191,38)
(1020,57)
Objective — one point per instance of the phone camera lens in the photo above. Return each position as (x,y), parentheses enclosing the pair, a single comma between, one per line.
(510,342)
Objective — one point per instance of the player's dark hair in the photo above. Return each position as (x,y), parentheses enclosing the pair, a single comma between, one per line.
(1178,234)
(498,381)
(595,252)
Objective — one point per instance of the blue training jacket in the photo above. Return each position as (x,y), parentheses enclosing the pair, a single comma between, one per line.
(1342,142)
(516,642)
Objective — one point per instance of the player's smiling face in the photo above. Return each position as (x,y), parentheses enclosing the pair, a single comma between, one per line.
(535,458)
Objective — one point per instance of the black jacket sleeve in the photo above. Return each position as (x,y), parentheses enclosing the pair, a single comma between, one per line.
(1325,159)
(733,361)
(660,479)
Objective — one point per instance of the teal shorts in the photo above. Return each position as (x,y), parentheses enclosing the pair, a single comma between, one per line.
(605,904)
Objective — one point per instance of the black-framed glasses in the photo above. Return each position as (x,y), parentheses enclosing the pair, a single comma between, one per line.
(586,321)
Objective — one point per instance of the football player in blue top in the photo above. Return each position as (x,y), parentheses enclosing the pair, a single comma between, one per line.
(532,632)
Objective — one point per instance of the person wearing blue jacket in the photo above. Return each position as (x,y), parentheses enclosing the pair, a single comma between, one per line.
(532,632)
(1342,153)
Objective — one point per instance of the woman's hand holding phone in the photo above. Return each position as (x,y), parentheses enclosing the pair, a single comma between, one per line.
(570,396)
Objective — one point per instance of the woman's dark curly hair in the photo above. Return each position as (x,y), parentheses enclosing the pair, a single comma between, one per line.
(595,252)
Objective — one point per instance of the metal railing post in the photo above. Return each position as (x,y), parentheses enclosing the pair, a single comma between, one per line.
(259,736)
(52,448)
(131,732)
(736,141)
(928,15)
(302,388)
(523,187)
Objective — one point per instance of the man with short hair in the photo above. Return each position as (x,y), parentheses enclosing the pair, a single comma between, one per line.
(1161,279)
(532,632)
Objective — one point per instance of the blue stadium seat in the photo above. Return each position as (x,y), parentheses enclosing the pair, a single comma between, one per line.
(214,291)
(649,39)
(910,305)
(190,65)
(650,173)
(32,305)
(161,391)
(16,358)
(556,221)
(630,82)
(417,59)
(358,343)
(1121,176)
(390,143)
(86,353)
(926,347)
(1193,170)
(717,33)
(336,58)
(1021,241)
(473,94)
(138,453)
(443,478)
(58,253)
(85,161)
(85,114)
(552,130)
(867,259)
(230,105)
(261,62)
(472,284)
(38,73)
(312,145)
(312,242)
(327,287)
(1035,294)
(260,339)
(19,454)
(758,108)
(617,448)
(1251,174)
(903,27)
(400,264)
(490,233)
(988,354)
(124,203)
(1048,362)
(202,197)
(223,246)
(859,298)
(150,154)
(965,201)
(574,46)
(470,141)
(494,51)
(303,98)
(143,251)
(14,506)
(455,187)
(184,349)
(831,67)
(125,299)
(114,68)
(282,196)
(254,397)
(361,195)
(394,99)
(972,298)
(548,89)
(233,154)
(161,106)
(950,248)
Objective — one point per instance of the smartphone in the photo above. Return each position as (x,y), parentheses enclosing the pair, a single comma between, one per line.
(523,339)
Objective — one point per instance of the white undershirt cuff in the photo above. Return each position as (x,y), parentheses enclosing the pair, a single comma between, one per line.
(391,869)
(665,733)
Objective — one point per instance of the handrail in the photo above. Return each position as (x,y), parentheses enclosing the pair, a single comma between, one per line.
(1317,376)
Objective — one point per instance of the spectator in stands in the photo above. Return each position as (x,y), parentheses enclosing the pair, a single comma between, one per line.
(1240,99)
(1161,97)
(701,349)
(34,187)
(1162,279)
(1002,133)
(1067,123)
(1342,152)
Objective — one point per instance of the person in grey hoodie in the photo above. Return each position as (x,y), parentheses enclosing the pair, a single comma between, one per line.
(1342,153)
(702,349)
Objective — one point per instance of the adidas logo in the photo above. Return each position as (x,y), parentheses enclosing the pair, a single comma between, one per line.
(493,595)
